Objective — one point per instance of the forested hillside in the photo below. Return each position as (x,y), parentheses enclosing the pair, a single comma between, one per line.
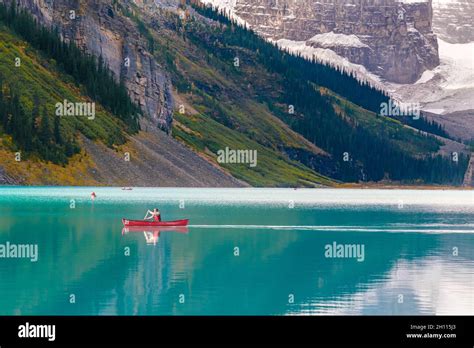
(48,73)
(30,90)
(309,123)
(382,148)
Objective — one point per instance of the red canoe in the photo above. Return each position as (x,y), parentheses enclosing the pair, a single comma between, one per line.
(132,223)
(159,229)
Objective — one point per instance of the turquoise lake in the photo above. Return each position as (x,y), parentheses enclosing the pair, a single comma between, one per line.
(246,252)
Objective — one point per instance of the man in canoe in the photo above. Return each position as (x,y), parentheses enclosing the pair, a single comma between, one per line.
(153,215)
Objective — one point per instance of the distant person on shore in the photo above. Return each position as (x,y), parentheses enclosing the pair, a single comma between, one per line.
(154,215)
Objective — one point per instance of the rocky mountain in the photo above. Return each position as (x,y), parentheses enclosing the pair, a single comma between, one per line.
(391,44)
(212,86)
(155,158)
(447,91)
(391,39)
(136,47)
(93,26)
(453,20)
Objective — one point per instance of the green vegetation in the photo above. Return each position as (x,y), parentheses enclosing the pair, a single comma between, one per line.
(310,123)
(371,150)
(86,70)
(37,74)
(273,169)
(34,131)
(220,115)
(30,92)
(423,124)
(390,129)
(294,68)
(141,26)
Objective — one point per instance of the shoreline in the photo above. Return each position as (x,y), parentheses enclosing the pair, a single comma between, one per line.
(376,186)
(347,186)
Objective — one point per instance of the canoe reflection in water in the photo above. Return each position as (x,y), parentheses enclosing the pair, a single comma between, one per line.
(152,234)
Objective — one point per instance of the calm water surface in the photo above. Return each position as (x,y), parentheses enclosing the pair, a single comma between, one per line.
(246,251)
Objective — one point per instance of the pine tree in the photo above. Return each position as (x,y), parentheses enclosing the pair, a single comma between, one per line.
(45,134)
(87,71)
(57,131)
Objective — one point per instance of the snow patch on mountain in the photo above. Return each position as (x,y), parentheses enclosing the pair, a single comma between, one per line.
(227,4)
(456,68)
(327,56)
(427,75)
(447,88)
(332,39)
(459,60)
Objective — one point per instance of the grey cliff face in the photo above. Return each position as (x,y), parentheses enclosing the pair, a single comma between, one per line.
(101,32)
(453,20)
(398,41)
